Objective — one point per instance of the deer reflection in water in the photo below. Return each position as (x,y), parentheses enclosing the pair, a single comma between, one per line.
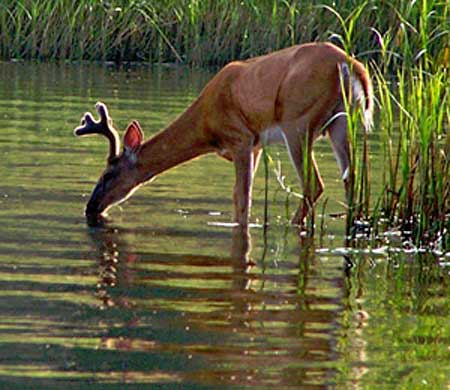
(226,320)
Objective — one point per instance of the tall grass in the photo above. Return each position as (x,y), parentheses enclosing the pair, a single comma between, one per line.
(414,120)
(212,32)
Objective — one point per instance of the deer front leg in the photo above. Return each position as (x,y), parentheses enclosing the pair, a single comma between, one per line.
(243,163)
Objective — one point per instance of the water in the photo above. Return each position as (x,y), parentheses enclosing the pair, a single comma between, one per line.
(167,295)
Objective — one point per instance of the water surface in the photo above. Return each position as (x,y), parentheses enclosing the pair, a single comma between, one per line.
(167,295)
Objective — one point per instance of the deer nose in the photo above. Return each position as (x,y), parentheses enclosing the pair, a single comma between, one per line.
(92,209)
(93,206)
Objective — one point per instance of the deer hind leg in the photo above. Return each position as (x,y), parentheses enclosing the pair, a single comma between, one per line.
(308,173)
(337,133)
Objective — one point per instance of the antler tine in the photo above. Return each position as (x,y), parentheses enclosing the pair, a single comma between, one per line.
(103,126)
(105,119)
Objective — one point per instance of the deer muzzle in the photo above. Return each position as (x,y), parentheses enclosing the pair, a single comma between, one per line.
(94,206)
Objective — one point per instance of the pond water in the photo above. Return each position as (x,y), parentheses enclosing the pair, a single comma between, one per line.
(167,295)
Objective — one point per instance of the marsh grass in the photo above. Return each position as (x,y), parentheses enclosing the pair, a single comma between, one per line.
(211,32)
(414,124)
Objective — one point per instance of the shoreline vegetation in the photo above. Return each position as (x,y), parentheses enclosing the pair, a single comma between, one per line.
(406,45)
(214,32)
(206,32)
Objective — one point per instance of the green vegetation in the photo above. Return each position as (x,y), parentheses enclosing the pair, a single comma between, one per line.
(214,32)
(405,44)
(414,128)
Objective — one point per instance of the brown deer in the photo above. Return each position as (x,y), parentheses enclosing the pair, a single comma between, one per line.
(292,95)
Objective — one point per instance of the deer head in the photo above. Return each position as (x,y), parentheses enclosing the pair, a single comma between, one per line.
(121,175)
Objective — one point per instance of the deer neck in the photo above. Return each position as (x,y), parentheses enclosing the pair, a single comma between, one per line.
(181,141)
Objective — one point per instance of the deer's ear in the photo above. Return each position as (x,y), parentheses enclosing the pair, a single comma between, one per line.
(133,136)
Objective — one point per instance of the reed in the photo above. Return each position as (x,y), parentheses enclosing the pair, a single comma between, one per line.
(414,119)
(416,195)
(211,32)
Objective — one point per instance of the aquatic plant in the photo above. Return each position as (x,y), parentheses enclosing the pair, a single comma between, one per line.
(416,184)
(414,119)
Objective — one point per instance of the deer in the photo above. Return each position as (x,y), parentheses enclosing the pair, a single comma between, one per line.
(294,95)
